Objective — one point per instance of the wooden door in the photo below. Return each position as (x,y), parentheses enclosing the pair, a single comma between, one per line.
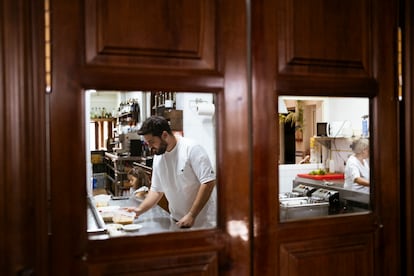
(370,241)
(23,180)
(407,134)
(183,45)
(326,48)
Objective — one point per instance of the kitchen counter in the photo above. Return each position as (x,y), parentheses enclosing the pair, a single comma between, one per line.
(358,198)
(155,220)
(338,200)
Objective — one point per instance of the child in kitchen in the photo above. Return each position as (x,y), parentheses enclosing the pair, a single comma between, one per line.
(357,167)
(139,182)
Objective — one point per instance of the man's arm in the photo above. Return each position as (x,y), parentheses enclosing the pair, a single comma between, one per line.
(203,194)
(150,201)
(361,181)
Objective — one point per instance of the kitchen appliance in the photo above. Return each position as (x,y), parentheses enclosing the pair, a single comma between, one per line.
(339,129)
(125,142)
(321,129)
(330,196)
(303,190)
(302,207)
(289,195)
(135,147)
(306,202)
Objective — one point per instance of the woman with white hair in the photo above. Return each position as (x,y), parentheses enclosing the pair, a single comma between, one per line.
(357,167)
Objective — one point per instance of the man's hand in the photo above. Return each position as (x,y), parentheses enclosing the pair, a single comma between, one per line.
(187,221)
(137,211)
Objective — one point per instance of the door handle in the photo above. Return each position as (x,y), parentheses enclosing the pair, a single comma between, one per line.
(378,224)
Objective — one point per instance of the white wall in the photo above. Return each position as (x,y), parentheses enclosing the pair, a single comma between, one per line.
(336,109)
(200,128)
(350,109)
(107,99)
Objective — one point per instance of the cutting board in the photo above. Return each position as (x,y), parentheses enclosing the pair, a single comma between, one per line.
(328,176)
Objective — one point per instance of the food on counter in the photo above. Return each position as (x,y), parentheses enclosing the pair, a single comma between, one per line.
(107,216)
(101,200)
(107,212)
(318,172)
(123,217)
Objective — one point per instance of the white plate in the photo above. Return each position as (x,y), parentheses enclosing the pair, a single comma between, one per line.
(114,226)
(132,227)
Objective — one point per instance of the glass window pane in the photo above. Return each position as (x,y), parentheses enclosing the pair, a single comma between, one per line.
(123,166)
(324,156)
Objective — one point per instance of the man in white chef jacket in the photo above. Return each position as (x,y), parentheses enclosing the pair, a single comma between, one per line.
(183,172)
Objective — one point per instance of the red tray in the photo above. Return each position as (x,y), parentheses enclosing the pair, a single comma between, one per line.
(328,176)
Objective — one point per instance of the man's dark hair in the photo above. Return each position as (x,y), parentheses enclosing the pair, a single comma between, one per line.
(155,125)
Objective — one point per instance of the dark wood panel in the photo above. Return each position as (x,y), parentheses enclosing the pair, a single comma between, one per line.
(324,257)
(407,141)
(265,140)
(23,178)
(203,264)
(325,38)
(165,34)
(67,143)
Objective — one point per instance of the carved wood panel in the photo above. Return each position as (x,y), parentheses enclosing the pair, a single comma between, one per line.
(327,39)
(325,257)
(203,264)
(153,34)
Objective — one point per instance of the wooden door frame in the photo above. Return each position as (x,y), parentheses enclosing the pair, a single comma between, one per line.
(23,201)
(407,134)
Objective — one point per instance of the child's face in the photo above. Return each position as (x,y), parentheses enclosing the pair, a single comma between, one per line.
(133,181)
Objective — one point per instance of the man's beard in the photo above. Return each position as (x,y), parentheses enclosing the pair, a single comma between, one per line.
(162,148)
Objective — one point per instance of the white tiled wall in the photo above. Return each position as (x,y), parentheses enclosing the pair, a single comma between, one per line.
(287,174)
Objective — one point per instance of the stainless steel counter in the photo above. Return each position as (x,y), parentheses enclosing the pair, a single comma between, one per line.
(155,220)
(361,199)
